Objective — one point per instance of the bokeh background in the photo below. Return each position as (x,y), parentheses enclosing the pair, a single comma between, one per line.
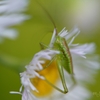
(15,54)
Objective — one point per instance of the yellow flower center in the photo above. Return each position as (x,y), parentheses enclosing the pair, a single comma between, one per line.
(51,74)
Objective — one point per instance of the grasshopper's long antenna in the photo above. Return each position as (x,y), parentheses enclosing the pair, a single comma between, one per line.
(48,14)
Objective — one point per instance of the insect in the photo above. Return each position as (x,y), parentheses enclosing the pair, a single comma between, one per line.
(63,59)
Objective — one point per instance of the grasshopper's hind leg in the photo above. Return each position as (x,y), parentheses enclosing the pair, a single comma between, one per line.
(60,70)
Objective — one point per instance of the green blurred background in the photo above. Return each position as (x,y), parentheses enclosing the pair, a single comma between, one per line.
(15,54)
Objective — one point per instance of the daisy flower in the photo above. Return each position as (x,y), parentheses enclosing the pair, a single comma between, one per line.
(11,14)
(41,76)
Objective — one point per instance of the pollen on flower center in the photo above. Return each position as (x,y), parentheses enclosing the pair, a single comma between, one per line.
(51,74)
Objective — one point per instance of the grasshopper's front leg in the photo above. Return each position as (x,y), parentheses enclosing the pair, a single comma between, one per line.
(43,46)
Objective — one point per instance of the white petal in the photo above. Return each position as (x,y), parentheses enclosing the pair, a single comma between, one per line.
(63,32)
(53,39)
(11,13)
(72,33)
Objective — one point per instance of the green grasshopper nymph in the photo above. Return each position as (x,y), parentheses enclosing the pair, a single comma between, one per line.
(64,58)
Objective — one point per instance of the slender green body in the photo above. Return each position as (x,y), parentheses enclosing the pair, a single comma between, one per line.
(64,57)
